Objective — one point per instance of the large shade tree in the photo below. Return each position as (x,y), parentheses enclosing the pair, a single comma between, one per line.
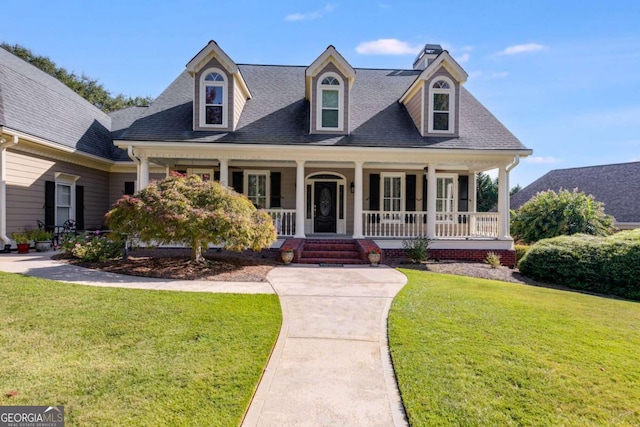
(189,211)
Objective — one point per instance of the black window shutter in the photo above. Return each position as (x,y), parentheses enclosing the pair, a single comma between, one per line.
(374,192)
(79,207)
(129,188)
(49,203)
(424,193)
(410,196)
(275,190)
(424,197)
(238,181)
(216,176)
(410,192)
(463,193)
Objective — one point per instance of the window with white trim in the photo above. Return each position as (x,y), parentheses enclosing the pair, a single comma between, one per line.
(445,197)
(441,105)
(392,195)
(65,198)
(256,188)
(330,102)
(213,98)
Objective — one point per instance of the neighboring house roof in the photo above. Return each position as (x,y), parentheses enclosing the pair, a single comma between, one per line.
(277,113)
(37,104)
(615,185)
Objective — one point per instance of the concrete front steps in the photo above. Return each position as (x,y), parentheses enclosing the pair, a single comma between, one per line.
(320,251)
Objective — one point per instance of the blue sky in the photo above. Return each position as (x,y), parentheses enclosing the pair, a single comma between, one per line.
(563,76)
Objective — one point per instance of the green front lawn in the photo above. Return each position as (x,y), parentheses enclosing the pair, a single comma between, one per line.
(476,352)
(116,357)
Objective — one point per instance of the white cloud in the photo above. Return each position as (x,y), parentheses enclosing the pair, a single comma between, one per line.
(540,160)
(500,75)
(384,6)
(463,58)
(387,47)
(522,48)
(292,17)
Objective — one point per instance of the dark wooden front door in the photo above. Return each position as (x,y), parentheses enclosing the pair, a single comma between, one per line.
(325,207)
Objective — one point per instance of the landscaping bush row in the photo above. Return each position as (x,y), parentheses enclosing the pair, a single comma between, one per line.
(609,265)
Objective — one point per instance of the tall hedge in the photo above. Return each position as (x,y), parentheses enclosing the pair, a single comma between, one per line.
(609,265)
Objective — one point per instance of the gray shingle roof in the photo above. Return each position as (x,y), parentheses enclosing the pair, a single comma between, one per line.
(278,114)
(37,104)
(615,185)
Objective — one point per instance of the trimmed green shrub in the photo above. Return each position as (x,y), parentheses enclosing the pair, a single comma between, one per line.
(609,265)
(521,250)
(550,214)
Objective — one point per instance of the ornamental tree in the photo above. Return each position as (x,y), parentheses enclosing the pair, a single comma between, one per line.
(551,214)
(189,211)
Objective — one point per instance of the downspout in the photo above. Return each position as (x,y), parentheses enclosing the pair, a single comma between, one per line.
(137,163)
(4,144)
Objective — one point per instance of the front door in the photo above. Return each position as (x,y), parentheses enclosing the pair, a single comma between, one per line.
(324,207)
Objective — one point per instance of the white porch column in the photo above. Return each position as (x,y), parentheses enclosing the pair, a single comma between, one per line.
(224,172)
(357,202)
(143,173)
(503,203)
(431,201)
(300,216)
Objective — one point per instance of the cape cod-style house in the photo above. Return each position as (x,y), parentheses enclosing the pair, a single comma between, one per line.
(328,150)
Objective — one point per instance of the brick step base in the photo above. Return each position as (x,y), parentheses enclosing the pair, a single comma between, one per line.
(330,251)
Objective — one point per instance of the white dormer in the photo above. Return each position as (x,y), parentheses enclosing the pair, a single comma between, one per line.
(220,91)
(328,82)
(433,100)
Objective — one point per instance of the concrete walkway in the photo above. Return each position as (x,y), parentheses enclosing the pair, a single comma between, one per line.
(330,365)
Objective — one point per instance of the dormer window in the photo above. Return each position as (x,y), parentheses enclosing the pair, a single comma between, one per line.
(441,105)
(330,102)
(213,99)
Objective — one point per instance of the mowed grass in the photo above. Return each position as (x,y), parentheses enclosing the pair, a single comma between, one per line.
(116,357)
(473,352)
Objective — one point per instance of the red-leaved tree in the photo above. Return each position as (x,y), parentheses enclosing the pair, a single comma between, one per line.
(192,212)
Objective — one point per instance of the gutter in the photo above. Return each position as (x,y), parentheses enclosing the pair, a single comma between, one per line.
(4,144)
(516,161)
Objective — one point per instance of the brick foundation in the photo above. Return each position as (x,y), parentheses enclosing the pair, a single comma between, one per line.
(507,257)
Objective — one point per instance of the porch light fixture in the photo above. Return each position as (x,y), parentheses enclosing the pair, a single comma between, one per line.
(352,188)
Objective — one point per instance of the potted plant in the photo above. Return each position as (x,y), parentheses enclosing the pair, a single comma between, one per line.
(287,255)
(42,239)
(374,255)
(22,241)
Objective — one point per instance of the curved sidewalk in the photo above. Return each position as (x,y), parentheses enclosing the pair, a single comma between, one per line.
(331,363)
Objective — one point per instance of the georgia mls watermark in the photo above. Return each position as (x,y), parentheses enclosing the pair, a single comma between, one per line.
(31,416)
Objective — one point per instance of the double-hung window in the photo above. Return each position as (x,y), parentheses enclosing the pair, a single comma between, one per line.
(213,99)
(65,198)
(330,107)
(392,196)
(441,103)
(257,188)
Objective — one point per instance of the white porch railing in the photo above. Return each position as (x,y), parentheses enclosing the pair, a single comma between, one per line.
(284,220)
(452,225)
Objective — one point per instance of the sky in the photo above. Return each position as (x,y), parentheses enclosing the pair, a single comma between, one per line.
(562,76)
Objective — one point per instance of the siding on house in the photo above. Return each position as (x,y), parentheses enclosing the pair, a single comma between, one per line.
(239,100)
(26,176)
(414,108)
